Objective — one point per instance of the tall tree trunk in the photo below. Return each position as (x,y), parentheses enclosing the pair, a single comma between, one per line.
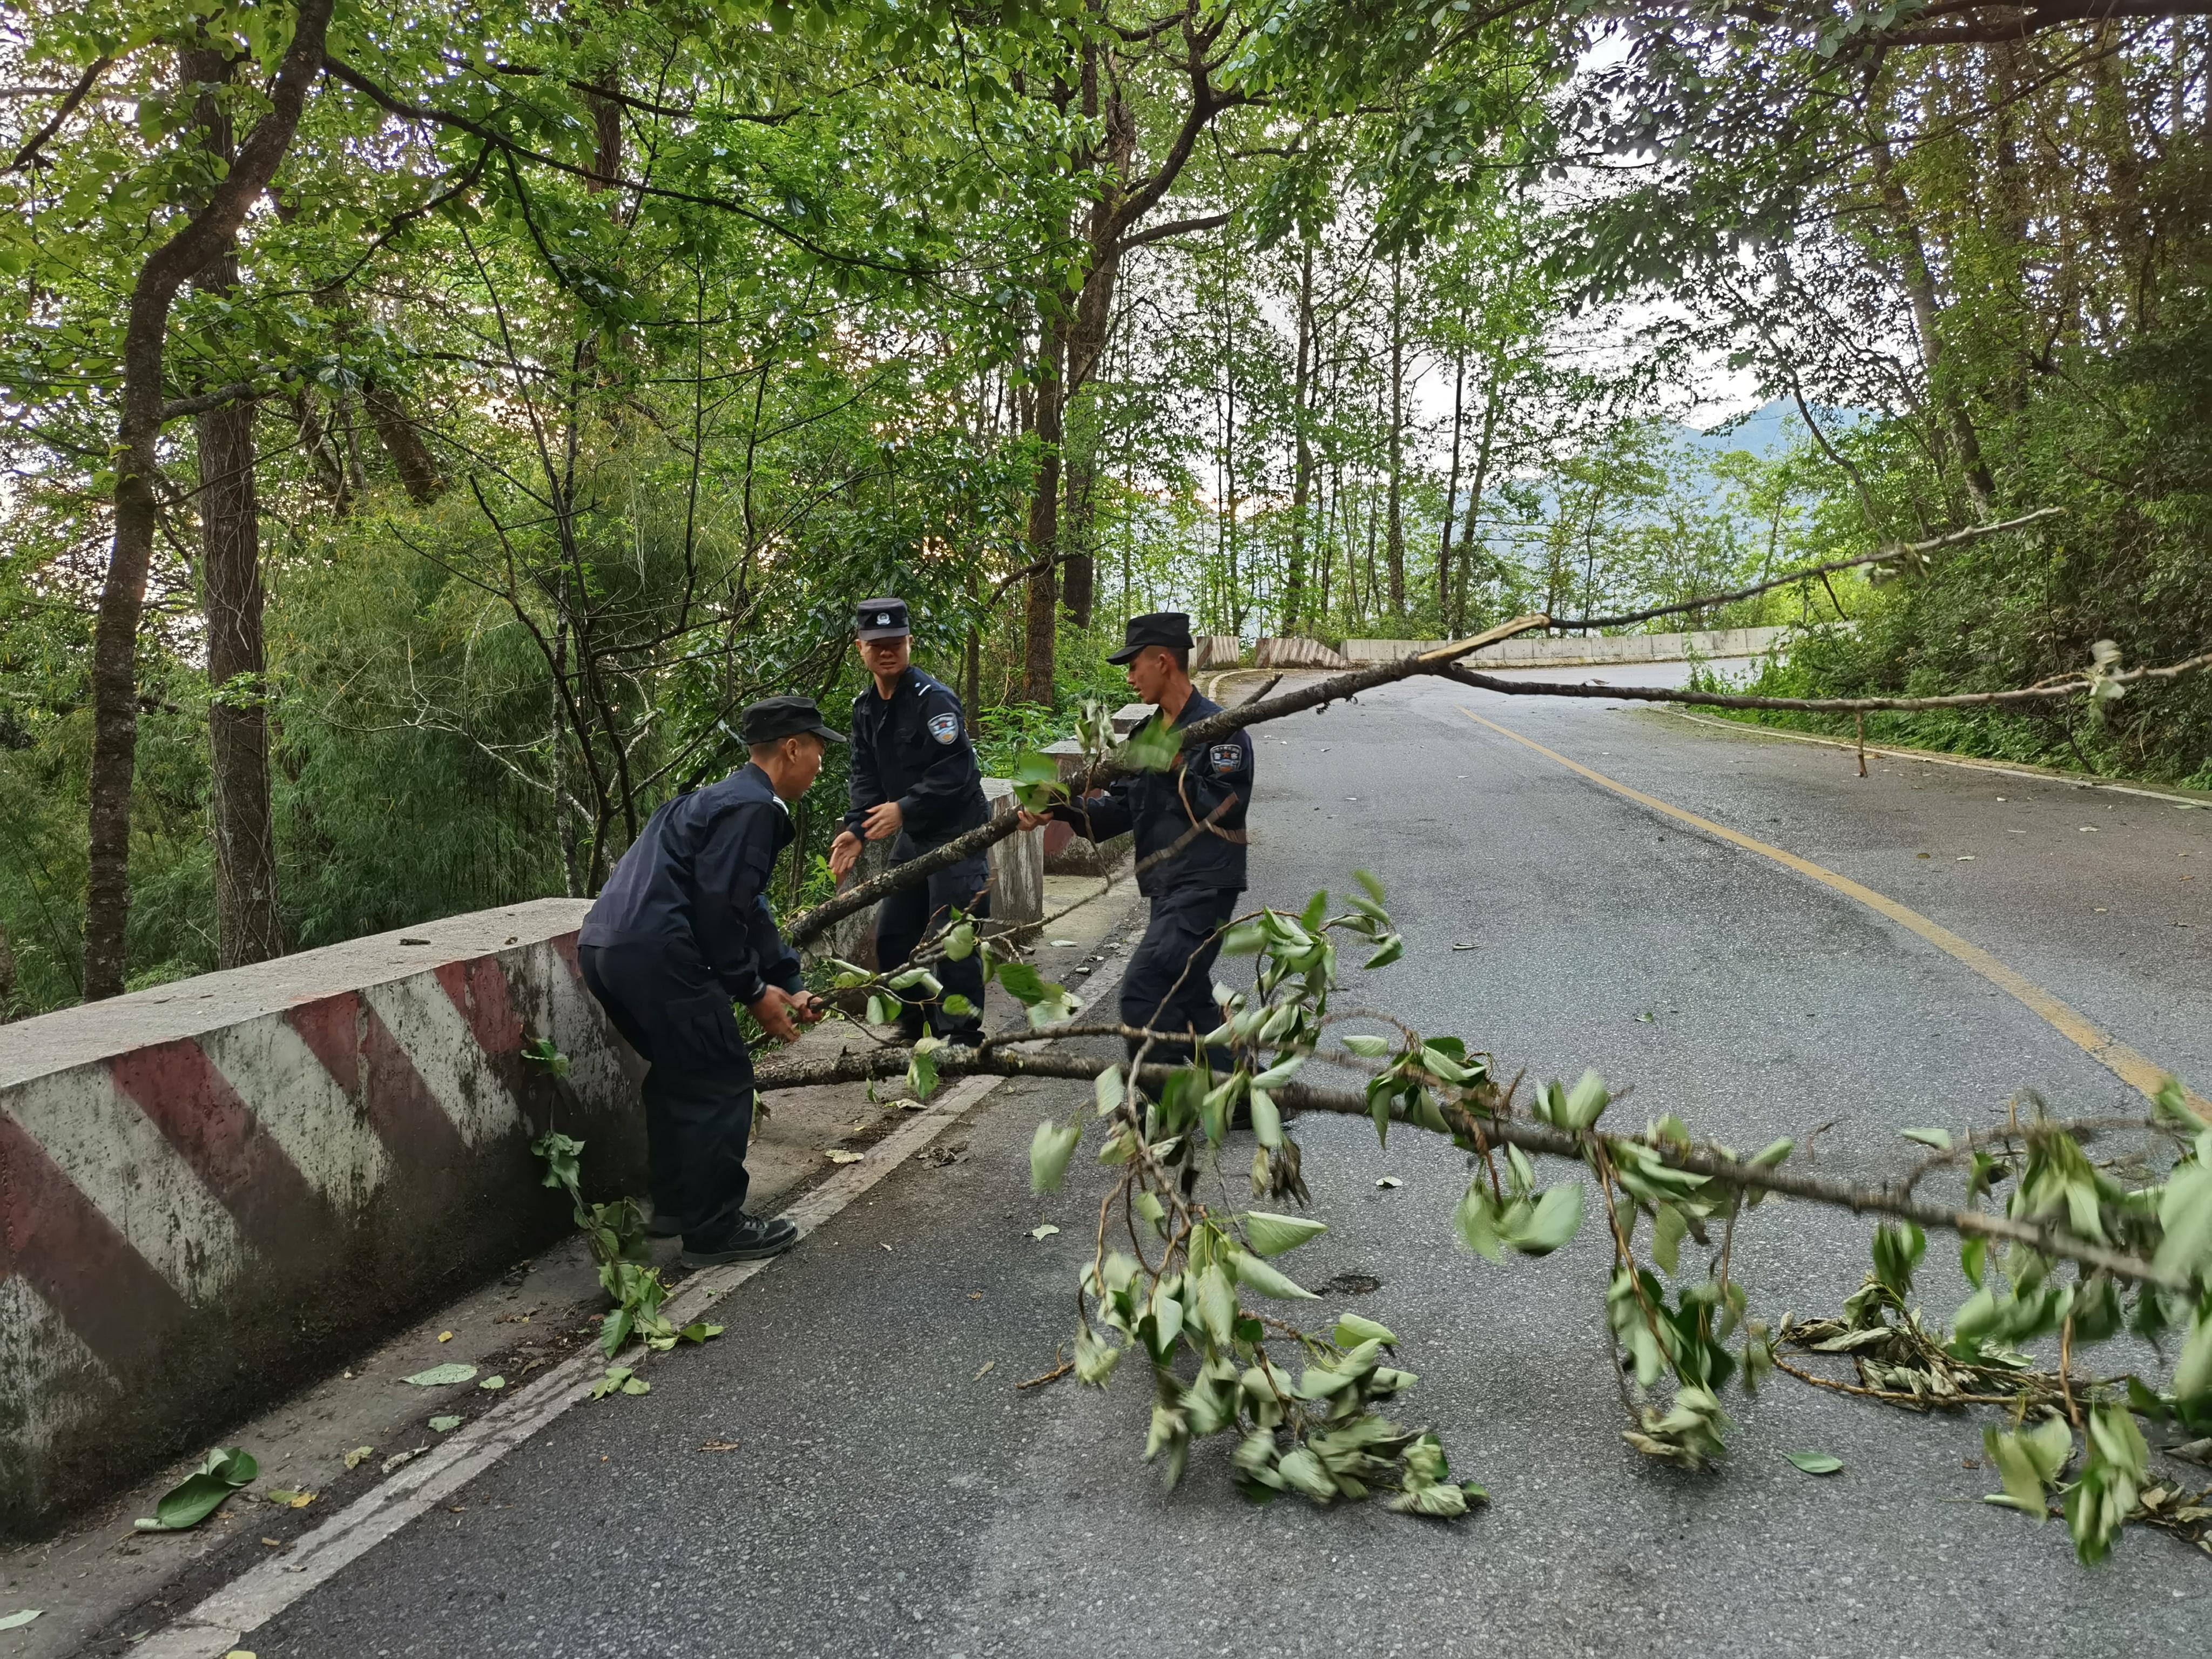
(411,457)
(1294,593)
(1086,343)
(7,978)
(202,238)
(1232,590)
(1394,551)
(248,926)
(1955,422)
(1451,487)
(1041,621)
(1468,542)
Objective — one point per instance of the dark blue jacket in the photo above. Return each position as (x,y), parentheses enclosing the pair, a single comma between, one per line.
(1162,807)
(913,748)
(695,881)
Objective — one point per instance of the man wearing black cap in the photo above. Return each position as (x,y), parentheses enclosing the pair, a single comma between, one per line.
(914,777)
(682,929)
(1169,985)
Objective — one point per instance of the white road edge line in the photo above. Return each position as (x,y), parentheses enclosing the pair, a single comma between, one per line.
(215,1626)
(1972,762)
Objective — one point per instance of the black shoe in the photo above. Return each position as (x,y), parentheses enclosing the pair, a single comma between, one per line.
(755,1239)
(966,1035)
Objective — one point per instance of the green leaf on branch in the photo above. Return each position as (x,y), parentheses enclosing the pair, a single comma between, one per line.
(2028,1461)
(1394,946)
(1577,1108)
(1898,1248)
(1152,747)
(921,1066)
(1353,1329)
(1266,1120)
(1254,1274)
(1668,1226)
(1939,1138)
(561,1153)
(1050,1148)
(1273,1235)
(1107,1089)
(1370,1047)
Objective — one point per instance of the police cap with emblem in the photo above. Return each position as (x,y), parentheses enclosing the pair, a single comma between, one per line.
(881,619)
(773,719)
(1167,628)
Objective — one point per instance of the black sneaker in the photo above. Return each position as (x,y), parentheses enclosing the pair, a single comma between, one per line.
(756,1237)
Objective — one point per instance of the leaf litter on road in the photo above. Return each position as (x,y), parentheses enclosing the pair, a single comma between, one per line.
(439,1376)
(1815,1462)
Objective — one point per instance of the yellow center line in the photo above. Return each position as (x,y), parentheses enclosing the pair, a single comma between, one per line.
(2134,1069)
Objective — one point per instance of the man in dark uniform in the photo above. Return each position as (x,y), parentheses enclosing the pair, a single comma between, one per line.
(914,777)
(681,930)
(1169,985)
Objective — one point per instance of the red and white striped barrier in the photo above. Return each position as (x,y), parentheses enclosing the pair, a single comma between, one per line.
(214,1188)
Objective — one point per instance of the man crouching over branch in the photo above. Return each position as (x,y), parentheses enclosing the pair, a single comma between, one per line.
(680,930)
(1169,985)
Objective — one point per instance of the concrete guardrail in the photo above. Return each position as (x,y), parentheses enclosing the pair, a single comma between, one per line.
(215,1189)
(1527,652)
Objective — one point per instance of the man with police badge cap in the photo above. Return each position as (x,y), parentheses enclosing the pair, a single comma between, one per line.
(1203,796)
(914,778)
(680,931)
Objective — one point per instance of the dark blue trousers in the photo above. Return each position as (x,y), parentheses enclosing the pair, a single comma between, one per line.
(1169,985)
(910,915)
(699,1093)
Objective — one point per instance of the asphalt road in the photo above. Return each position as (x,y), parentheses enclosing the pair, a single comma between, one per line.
(887,1493)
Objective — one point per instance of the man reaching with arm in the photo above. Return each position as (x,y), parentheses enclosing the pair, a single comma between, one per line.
(1169,985)
(680,930)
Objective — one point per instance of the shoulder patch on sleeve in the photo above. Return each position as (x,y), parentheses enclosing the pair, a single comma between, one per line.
(1226,757)
(945,728)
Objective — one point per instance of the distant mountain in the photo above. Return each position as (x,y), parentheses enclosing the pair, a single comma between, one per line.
(1769,432)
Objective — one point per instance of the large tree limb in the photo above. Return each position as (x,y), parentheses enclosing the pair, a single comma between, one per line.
(877,1065)
(430,115)
(1907,550)
(2029,693)
(2020,23)
(29,153)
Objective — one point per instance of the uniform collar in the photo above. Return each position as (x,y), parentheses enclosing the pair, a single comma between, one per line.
(751,775)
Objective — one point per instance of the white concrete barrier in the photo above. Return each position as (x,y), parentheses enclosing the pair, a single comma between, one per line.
(1580,651)
(1295,651)
(213,1189)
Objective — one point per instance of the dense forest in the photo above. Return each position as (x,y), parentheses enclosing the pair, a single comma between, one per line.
(423,429)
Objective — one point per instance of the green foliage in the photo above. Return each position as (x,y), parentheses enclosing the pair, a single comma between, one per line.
(616,1233)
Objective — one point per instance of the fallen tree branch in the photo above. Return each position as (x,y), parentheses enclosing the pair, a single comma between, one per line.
(1906,550)
(2030,694)
(1540,1139)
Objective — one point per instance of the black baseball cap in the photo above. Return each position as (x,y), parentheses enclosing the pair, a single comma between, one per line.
(1167,628)
(775,718)
(881,619)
